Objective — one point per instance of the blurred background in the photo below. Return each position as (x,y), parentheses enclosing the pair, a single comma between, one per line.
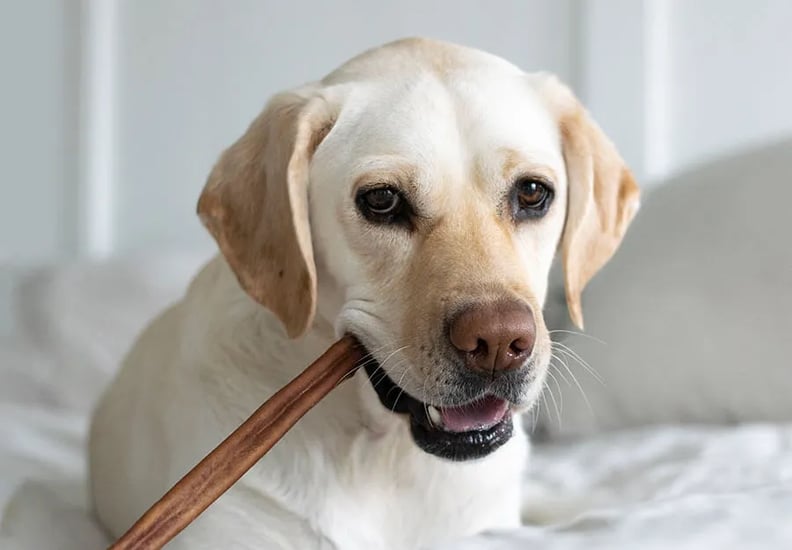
(113,111)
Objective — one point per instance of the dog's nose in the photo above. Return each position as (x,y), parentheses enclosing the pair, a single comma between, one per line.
(494,337)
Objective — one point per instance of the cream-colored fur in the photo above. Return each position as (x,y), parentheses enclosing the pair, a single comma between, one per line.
(451,127)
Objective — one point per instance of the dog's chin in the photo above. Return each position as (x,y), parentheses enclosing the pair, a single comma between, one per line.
(458,433)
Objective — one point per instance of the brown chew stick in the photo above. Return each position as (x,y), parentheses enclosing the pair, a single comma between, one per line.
(221,468)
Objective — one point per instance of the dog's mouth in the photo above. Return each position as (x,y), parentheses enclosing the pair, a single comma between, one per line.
(458,433)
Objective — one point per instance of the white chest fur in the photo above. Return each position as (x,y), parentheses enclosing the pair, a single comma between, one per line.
(374,488)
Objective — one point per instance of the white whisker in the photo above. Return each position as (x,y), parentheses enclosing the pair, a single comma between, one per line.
(577,383)
(577,333)
(543,402)
(381,364)
(399,384)
(553,399)
(569,352)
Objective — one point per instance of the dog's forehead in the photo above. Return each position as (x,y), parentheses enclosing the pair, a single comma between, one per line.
(447,128)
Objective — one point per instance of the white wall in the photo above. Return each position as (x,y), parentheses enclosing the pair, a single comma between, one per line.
(730,77)
(38,129)
(680,82)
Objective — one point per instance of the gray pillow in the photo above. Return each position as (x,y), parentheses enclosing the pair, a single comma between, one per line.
(692,319)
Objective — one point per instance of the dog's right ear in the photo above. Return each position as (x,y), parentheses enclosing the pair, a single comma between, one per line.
(255,205)
(602,194)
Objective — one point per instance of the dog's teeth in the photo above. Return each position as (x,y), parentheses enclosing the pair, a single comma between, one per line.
(434,415)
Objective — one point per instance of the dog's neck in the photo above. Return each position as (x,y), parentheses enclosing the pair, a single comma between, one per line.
(264,353)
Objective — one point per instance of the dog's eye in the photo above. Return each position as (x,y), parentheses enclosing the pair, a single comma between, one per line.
(382,205)
(532,198)
(382,201)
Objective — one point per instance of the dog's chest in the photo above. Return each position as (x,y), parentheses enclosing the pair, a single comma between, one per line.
(388,494)
(349,486)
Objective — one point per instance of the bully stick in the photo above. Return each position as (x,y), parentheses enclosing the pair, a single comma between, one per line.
(221,468)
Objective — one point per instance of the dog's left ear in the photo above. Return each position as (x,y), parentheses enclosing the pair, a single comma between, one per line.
(255,205)
(602,194)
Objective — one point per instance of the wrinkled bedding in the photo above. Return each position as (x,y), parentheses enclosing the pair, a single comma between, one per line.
(662,487)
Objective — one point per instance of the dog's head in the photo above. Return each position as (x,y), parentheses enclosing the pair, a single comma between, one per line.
(432,186)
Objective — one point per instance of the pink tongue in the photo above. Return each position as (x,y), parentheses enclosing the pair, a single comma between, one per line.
(474,416)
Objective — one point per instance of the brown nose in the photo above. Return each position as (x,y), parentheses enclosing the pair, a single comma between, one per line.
(494,337)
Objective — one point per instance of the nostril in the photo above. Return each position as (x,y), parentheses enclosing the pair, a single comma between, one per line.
(481,347)
(521,345)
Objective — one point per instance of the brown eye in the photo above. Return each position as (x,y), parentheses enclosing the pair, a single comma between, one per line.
(532,198)
(383,205)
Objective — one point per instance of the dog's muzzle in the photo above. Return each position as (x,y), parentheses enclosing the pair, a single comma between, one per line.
(465,432)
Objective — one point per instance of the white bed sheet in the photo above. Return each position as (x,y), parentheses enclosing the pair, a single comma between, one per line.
(663,487)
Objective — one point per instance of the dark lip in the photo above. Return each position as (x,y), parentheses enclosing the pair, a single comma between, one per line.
(455,446)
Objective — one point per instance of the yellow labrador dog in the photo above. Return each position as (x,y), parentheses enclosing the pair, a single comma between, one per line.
(415,198)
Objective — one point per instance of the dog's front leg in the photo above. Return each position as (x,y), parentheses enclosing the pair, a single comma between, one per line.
(244,519)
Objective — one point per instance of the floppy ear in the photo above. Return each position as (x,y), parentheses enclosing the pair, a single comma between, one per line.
(255,205)
(602,195)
